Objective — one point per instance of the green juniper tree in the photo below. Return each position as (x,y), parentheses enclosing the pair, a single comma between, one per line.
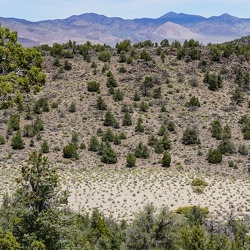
(36,205)
(17,141)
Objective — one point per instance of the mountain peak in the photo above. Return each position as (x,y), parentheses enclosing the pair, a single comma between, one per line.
(224,17)
(170,14)
(181,18)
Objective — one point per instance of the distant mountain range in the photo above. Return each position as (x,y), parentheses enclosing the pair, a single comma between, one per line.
(101,29)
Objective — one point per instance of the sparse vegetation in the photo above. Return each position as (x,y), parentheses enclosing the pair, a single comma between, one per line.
(126,105)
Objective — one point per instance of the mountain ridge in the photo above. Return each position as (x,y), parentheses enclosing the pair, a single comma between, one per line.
(110,30)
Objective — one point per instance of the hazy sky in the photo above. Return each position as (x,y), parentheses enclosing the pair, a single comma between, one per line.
(34,10)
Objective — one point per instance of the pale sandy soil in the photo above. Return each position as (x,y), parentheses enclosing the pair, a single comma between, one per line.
(121,193)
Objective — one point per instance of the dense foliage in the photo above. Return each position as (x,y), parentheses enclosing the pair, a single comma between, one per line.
(20,69)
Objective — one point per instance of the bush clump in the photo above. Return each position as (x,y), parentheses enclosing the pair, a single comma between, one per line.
(187,209)
(93,86)
(45,147)
(130,160)
(104,56)
(108,155)
(109,119)
(198,185)
(193,102)
(17,141)
(70,152)
(2,140)
(214,156)
(94,144)
(190,136)
(166,159)
(14,123)
(226,146)
(247,134)
(198,182)
(142,151)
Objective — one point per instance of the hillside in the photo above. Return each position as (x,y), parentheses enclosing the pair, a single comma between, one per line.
(159,128)
(172,84)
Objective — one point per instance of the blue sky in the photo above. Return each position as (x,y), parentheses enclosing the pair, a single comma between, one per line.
(34,10)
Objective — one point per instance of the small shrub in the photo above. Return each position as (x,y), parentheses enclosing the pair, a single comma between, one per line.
(74,138)
(232,164)
(142,151)
(136,97)
(17,141)
(127,108)
(2,140)
(243,150)
(54,105)
(108,135)
(216,129)
(198,182)
(246,135)
(108,155)
(104,56)
(117,140)
(143,106)
(158,147)
(130,160)
(28,131)
(226,132)
(171,126)
(213,80)
(41,106)
(93,86)
(129,60)
(38,125)
(109,119)
(45,147)
(118,95)
(72,107)
(190,136)
(122,135)
(193,102)
(163,109)
(111,82)
(127,120)
(139,126)
(93,144)
(82,145)
(157,93)
(152,140)
(166,159)
(67,65)
(70,152)
(100,103)
(144,55)
(214,156)
(32,143)
(122,70)
(162,130)
(165,141)
(187,209)
(198,185)
(14,123)
(226,146)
